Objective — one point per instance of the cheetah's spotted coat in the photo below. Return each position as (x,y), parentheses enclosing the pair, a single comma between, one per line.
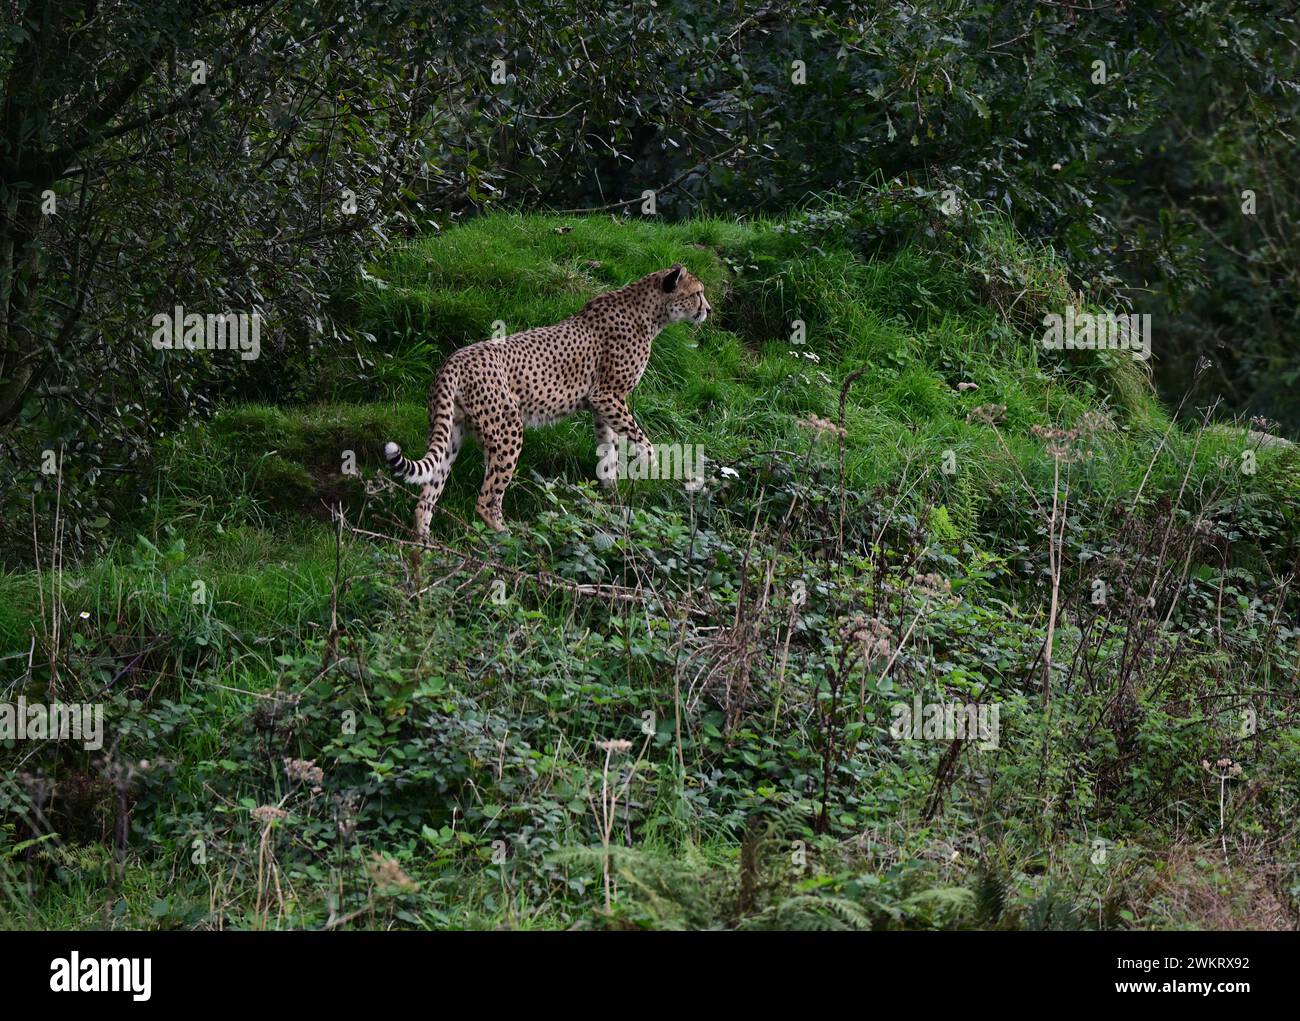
(495,389)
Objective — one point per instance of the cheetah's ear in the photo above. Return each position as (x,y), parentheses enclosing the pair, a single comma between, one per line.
(671,278)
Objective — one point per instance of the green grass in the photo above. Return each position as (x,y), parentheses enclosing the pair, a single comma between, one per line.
(197,582)
(921,321)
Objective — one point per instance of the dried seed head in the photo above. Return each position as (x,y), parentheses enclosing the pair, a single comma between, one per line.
(988,414)
(821,427)
(305,771)
(932,585)
(386,872)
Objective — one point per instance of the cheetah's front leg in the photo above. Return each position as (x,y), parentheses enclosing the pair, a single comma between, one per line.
(615,413)
(606,455)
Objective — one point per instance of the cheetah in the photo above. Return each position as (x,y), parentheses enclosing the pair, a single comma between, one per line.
(495,389)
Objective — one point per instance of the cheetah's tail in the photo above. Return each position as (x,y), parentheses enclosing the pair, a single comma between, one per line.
(435,466)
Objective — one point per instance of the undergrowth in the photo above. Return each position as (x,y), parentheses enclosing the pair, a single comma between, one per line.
(677,706)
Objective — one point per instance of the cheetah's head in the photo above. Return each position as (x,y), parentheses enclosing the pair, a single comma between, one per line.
(683,294)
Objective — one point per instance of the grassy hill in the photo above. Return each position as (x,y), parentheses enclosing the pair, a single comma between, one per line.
(669,707)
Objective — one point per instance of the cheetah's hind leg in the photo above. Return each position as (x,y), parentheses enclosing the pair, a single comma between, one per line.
(501,448)
(432,490)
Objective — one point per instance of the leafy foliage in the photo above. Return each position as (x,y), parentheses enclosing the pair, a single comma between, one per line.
(337,743)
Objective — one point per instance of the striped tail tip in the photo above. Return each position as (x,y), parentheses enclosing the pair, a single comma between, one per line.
(415,473)
(399,465)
